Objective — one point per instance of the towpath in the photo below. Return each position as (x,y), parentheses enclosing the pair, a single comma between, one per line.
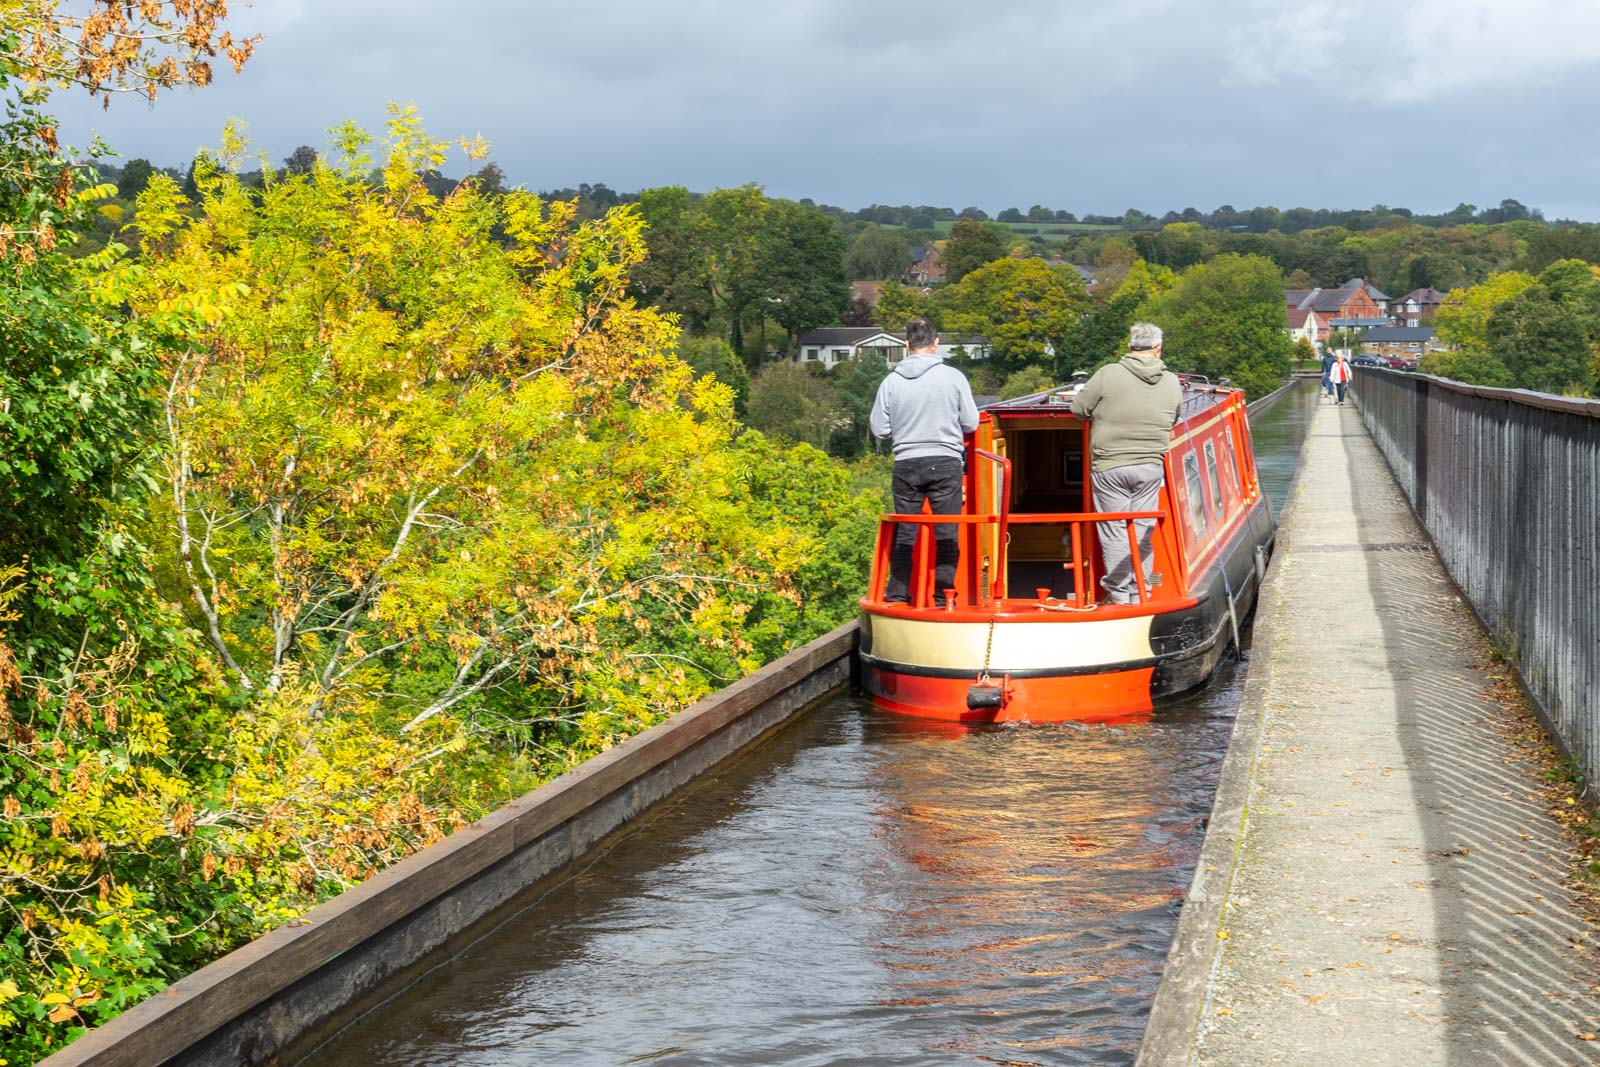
(1398,895)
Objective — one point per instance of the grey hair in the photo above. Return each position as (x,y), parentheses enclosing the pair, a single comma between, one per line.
(1144,335)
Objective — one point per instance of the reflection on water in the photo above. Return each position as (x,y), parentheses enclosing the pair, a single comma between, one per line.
(863,890)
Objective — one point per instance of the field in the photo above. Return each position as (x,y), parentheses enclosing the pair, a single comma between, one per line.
(1038,229)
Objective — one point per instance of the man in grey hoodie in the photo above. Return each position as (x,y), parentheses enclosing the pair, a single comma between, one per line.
(1132,405)
(927,409)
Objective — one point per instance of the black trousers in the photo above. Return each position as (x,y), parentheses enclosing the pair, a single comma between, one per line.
(936,479)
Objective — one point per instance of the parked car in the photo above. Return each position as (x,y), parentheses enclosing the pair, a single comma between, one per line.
(1369,361)
(1402,363)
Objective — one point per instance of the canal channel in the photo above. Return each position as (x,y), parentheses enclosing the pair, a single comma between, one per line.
(859,890)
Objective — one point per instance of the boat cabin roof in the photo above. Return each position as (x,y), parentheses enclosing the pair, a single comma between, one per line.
(1199,395)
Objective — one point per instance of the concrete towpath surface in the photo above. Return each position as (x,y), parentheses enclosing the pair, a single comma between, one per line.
(1398,894)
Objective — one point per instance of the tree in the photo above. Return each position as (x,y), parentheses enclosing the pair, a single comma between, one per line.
(788,401)
(899,304)
(1224,318)
(802,270)
(855,389)
(490,179)
(191,188)
(1463,319)
(1010,214)
(675,273)
(730,227)
(135,176)
(1101,335)
(714,356)
(301,160)
(114,46)
(1024,308)
(971,244)
(1548,336)
(1025,381)
(878,254)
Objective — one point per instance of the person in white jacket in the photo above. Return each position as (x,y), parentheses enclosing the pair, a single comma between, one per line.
(1340,375)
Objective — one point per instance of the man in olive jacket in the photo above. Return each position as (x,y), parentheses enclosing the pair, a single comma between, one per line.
(1132,405)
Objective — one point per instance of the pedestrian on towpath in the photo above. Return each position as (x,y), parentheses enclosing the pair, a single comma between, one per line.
(1328,361)
(926,408)
(1132,405)
(1340,375)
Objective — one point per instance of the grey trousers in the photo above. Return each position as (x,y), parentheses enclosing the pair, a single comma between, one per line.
(1135,488)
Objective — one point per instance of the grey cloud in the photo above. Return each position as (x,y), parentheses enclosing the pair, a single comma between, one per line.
(1083,105)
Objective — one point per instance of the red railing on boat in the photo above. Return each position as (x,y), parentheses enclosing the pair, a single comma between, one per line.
(1081,563)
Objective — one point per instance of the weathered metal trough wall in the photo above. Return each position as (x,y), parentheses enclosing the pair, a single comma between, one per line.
(292,984)
(1508,484)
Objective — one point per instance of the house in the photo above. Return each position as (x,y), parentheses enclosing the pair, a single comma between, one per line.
(1378,296)
(927,266)
(1303,322)
(1416,307)
(1406,341)
(833,345)
(866,293)
(1353,306)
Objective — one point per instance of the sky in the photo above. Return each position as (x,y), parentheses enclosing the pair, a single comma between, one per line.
(1092,106)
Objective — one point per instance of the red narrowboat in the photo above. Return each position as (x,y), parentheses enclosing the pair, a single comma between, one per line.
(1026,635)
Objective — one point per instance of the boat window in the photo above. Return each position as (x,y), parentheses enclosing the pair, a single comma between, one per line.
(1233,463)
(1197,507)
(1218,503)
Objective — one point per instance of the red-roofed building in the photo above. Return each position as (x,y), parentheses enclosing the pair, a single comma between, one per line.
(1351,307)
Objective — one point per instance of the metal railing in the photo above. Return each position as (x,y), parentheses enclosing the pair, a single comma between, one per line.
(1507,483)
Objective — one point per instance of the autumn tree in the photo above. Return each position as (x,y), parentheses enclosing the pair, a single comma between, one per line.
(115,46)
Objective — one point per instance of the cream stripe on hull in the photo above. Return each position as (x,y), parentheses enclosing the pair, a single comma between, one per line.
(1030,646)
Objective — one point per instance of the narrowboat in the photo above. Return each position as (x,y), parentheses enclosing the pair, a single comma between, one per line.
(1026,635)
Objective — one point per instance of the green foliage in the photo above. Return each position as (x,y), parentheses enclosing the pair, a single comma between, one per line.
(802,269)
(436,513)
(714,356)
(971,245)
(1025,308)
(793,402)
(1027,380)
(135,176)
(899,304)
(1548,336)
(878,254)
(1224,318)
(1517,330)
(734,259)
(1101,335)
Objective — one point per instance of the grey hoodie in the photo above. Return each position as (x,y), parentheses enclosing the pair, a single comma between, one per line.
(1132,405)
(926,407)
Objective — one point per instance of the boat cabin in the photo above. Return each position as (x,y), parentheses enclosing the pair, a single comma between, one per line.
(1028,528)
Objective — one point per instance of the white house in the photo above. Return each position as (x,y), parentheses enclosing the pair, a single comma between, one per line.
(835,344)
(1303,322)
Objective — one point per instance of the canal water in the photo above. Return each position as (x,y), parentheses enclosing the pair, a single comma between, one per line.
(862,890)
